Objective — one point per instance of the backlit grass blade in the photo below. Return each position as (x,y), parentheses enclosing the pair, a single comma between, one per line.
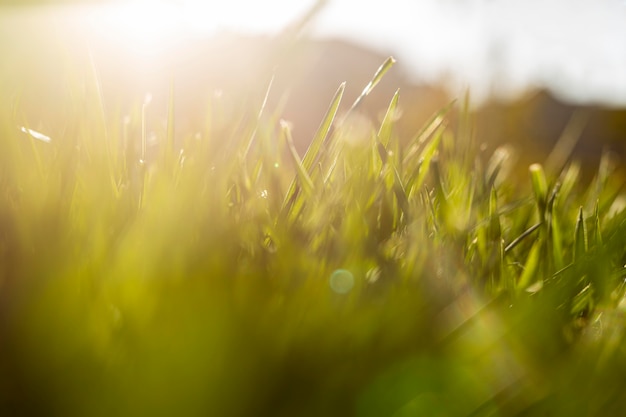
(432,211)
(597,235)
(602,189)
(583,301)
(556,235)
(430,128)
(381,144)
(540,188)
(384,133)
(144,127)
(425,158)
(464,131)
(299,24)
(401,194)
(608,164)
(495,228)
(569,179)
(566,143)
(258,119)
(382,153)
(331,170)
(321,136)
(498,160)
(99,99)
(531,266)
(380,73)
(313,152)
(169,139)
(302,174)
(580,237)
(521,237)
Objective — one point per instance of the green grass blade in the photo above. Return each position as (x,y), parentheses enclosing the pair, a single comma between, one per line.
(521,237)
(425,158)
(495,228)
(144,127)
(598,241)
(302,174)
(583,301)
(380,73)
(252,137)
(430,128)
(401,194)
(566,143)
(540,188)
(557,239)
(530,267)
(497,161)
(384,133)
(580,237)
(569,179)
(167,151)
(321,136)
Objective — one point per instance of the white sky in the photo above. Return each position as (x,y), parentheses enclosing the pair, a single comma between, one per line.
(576,47)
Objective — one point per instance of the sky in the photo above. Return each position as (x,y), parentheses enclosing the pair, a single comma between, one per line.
(577,48)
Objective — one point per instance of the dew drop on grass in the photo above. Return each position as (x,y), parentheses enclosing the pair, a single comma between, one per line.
(341,281)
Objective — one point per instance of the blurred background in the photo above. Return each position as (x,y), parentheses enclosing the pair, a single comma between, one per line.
(532,68)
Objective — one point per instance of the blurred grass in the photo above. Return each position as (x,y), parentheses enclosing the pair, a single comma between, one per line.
(227,276)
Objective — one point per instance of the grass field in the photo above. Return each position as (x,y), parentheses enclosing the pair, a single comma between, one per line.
(230,276)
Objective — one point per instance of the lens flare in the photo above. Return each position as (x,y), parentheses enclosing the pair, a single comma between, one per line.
(341,281)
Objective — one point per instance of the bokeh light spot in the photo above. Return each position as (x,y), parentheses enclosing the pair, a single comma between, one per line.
(341,281)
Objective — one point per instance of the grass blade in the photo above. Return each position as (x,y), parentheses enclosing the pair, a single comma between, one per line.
(430,128)
(540,188)
(382,70)
(521,237)
(566,143)
(170,119)
(258,119)
(167,151)
(313,152)
(495,228)
(580,236)
(144,127)
(384,133)
(302,175)
(557,239)
(530,267)
(598,241)
(429,152)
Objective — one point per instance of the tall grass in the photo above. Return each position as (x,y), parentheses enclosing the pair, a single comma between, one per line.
(229,276)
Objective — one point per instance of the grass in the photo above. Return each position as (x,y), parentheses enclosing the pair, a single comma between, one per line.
(228,276)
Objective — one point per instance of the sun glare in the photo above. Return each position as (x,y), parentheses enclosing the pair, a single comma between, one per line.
(268,16)
(147,27)
(144,27)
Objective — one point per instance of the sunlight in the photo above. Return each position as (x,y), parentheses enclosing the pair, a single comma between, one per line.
(147,27)
(206,17)
(143,27)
